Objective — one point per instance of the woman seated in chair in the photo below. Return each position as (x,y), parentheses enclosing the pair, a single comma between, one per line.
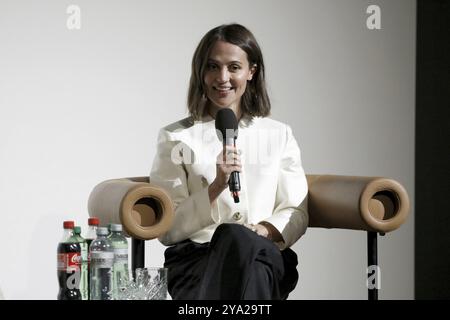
(219,248)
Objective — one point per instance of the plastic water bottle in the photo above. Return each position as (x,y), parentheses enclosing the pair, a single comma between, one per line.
(84,289)
(120,268)
(102,259)
(69,264)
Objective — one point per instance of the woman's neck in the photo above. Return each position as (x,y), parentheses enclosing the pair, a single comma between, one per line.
(212,110)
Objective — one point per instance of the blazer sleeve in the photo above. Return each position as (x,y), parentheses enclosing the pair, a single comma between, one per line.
(192,211)
(290,214)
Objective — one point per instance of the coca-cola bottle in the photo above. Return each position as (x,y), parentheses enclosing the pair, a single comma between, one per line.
(69,264)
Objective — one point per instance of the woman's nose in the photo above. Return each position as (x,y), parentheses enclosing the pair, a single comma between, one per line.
(223,75)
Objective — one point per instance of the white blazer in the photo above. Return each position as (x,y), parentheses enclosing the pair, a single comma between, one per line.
(273,182)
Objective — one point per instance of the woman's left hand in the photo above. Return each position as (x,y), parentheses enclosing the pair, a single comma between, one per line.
(259,229)
(266,230)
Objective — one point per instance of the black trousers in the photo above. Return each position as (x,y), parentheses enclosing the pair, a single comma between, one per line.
(237,265)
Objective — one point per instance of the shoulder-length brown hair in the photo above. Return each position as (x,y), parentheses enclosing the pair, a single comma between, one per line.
(255,100)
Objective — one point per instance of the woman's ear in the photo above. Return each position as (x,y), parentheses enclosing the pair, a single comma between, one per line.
(251,72)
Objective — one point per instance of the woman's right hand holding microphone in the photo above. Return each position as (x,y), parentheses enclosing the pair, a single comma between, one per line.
(227,161)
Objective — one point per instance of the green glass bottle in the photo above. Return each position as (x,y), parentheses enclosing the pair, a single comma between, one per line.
(84,289)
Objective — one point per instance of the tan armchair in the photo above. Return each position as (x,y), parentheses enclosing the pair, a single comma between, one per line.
(372,204)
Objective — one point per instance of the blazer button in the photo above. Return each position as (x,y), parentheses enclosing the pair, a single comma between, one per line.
(237,216)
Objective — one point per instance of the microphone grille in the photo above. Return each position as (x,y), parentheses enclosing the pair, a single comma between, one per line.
(226,121)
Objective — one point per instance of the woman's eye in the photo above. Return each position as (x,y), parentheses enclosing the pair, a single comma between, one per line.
(235,67)
(212,66)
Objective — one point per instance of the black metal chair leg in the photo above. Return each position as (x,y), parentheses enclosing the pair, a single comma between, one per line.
(372,266)
(137,255)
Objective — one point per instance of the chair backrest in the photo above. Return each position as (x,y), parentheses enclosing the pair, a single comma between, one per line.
(346,202)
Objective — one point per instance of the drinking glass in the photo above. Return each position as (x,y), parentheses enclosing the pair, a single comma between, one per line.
(149,284)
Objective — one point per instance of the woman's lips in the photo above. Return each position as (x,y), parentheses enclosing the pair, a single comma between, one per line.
(223,92)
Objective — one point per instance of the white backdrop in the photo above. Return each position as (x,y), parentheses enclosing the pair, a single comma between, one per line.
(81,106)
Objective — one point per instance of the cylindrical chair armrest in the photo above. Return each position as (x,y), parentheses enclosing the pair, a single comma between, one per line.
(359,203)
(145,211)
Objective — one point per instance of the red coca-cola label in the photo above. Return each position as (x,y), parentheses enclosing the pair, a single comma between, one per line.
(69,261)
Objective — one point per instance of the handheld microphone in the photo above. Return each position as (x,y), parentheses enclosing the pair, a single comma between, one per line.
(227,131)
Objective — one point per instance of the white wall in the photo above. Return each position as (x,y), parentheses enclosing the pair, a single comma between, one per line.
(81,106)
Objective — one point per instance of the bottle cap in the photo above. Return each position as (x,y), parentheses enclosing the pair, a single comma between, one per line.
(68,224)
(77,230)
(93,221)
(115,227)
(102,231)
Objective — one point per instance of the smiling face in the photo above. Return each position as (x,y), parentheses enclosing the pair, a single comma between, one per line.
(226,77)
